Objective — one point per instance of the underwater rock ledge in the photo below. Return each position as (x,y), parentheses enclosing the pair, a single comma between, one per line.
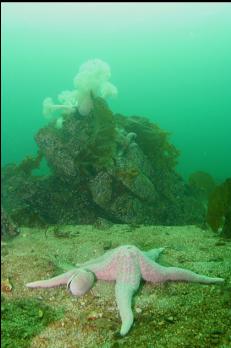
(102,165)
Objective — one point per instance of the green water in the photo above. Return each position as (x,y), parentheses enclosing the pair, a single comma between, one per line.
(170,62)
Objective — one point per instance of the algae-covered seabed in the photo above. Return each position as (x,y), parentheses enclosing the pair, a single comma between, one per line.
(166,315)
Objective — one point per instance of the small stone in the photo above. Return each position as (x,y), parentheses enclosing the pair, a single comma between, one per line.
(94,316)
(6,286)
(220,243)
(74,234)
(170,319)
(107,245)
(138,310)
(216,259)
(217,332)
(39,298)
(40,313)
(161,323)
(61,234)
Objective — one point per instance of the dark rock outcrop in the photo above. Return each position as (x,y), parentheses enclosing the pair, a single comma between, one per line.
(102,165)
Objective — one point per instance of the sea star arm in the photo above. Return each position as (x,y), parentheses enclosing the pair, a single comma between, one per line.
(50,283)
(124,293)
(127,283)
(153,272)
(99,266)
(99,260)
(154,253)
(175,273)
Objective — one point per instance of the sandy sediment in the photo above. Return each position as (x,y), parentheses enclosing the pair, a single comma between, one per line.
(166,315)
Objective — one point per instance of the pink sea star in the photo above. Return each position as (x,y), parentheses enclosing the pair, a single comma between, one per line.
(126,265)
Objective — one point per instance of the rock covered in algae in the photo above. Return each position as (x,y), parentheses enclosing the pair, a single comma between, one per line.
(103,165)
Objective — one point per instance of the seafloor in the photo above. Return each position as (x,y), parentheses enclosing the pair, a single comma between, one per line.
(170,315)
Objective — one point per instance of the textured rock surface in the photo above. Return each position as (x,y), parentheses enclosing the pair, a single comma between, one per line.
(8,228)
(101,166)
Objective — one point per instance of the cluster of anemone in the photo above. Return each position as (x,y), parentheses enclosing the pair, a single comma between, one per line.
(91,80)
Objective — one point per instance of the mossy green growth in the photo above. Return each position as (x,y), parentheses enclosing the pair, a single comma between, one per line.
(89,140)
(219,208)
(23,319)
(98,149)
(153,141)
(203,183)
(30,163)
(25,216)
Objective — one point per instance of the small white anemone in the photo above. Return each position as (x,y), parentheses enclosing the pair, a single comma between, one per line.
(69,98)
(92,78)
(52,110)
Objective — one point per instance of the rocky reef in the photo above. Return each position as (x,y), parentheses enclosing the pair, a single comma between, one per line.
(8,228)
(101,165)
